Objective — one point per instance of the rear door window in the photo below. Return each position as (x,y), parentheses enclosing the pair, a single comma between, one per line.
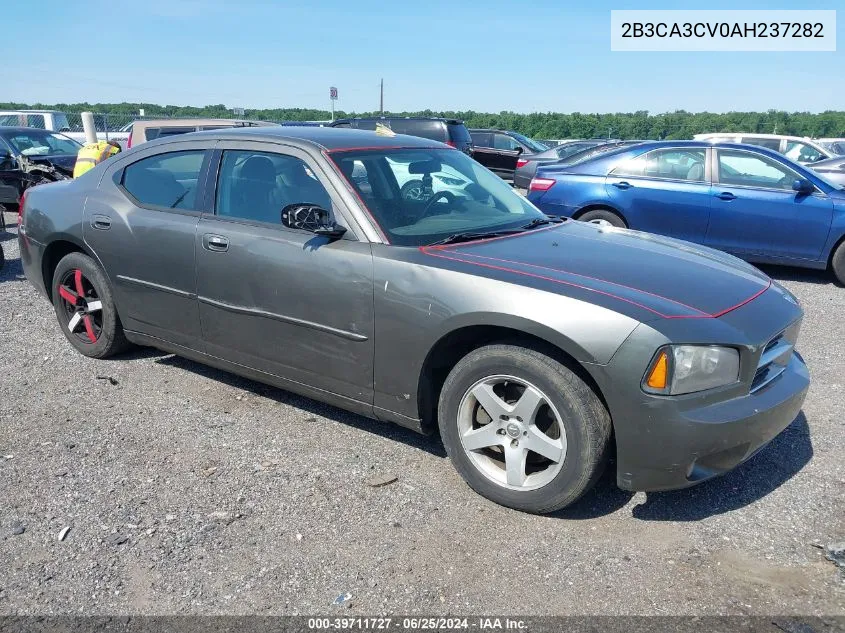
(482,139)
(167,181)
(771,143)
(802,153)
(673,164)
(434,130)
(503,141)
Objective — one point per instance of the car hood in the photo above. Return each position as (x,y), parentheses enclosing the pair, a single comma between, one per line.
(642,275)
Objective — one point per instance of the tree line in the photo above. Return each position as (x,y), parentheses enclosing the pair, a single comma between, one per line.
(549,125)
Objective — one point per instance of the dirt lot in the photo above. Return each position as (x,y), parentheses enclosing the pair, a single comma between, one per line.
(189,490)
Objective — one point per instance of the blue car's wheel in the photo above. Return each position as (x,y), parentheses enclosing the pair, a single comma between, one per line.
(837,263)
(603,216)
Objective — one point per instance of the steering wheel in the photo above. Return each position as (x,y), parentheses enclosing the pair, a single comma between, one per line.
(450,198)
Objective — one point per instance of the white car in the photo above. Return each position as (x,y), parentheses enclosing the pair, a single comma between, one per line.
(56,121)
(800,149)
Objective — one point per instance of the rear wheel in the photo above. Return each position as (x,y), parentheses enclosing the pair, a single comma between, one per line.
(837,263)
(84,307)
(603,216)
(522,429)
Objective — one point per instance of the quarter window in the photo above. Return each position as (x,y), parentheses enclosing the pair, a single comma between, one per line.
(258,185)
(165,180)
(745,169)
(674,164)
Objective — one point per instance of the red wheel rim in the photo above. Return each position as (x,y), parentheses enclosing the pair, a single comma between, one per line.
(82,307)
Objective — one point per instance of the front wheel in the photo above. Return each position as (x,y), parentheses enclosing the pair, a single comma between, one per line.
(85,309)
(522,429)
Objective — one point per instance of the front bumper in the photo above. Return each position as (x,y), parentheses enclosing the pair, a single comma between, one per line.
(682,448)
(671,442)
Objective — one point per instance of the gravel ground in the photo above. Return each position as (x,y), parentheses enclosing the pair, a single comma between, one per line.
(190,490)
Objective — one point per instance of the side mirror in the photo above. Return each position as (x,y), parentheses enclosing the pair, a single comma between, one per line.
(310,217)
(802,185)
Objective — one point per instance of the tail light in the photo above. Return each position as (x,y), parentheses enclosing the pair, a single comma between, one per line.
(451,143)
(129,140)
(521,162)
(20,208)
(541,184)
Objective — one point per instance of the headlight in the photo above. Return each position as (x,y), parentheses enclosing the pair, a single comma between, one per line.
(678,369)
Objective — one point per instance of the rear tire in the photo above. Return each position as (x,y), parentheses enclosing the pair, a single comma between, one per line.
(84,305)
(537,403)
(603,216)
(837,263)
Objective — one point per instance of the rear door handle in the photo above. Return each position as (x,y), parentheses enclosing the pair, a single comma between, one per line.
(622,185)
(101,222)
(726,195)
(217,243)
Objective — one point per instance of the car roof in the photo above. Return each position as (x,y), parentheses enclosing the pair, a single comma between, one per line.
(754,134)
(31,112)
(323,138)
(398,118)
(17,129)
(198,121)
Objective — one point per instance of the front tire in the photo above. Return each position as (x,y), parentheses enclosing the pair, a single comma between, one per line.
(84,305)
(522,429)
(837,263)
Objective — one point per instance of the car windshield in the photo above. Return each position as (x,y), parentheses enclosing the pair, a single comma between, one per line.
(32,142)
(422,196)
(533,145)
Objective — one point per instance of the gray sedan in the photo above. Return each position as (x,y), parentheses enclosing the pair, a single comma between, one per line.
(534,346)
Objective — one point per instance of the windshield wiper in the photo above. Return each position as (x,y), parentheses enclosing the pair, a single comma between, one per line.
(542,221)
(469,237)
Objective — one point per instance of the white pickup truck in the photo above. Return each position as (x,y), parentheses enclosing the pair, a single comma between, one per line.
(56,121)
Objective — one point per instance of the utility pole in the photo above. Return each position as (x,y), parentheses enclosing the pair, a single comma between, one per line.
(381,97)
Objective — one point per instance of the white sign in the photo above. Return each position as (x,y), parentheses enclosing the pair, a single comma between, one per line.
(760,30)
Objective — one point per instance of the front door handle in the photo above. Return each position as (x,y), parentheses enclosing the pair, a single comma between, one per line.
(726,195)
(217,243)
(622,185)
(101,222)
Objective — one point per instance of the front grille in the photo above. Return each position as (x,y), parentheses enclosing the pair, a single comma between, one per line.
(775,357)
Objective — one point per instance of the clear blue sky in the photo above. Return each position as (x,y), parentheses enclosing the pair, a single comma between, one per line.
(488,56)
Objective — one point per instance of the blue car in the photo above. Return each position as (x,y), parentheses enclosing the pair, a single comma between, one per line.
(749,201)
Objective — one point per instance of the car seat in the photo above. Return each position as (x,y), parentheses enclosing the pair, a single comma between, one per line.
(252,191)
(696,172)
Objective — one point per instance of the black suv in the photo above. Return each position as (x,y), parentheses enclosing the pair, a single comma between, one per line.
(450,131)
(498,150)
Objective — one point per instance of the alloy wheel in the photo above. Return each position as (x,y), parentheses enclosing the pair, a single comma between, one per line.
(512,432)
(82,306)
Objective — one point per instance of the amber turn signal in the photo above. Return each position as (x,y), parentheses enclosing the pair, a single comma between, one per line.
(659,374)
